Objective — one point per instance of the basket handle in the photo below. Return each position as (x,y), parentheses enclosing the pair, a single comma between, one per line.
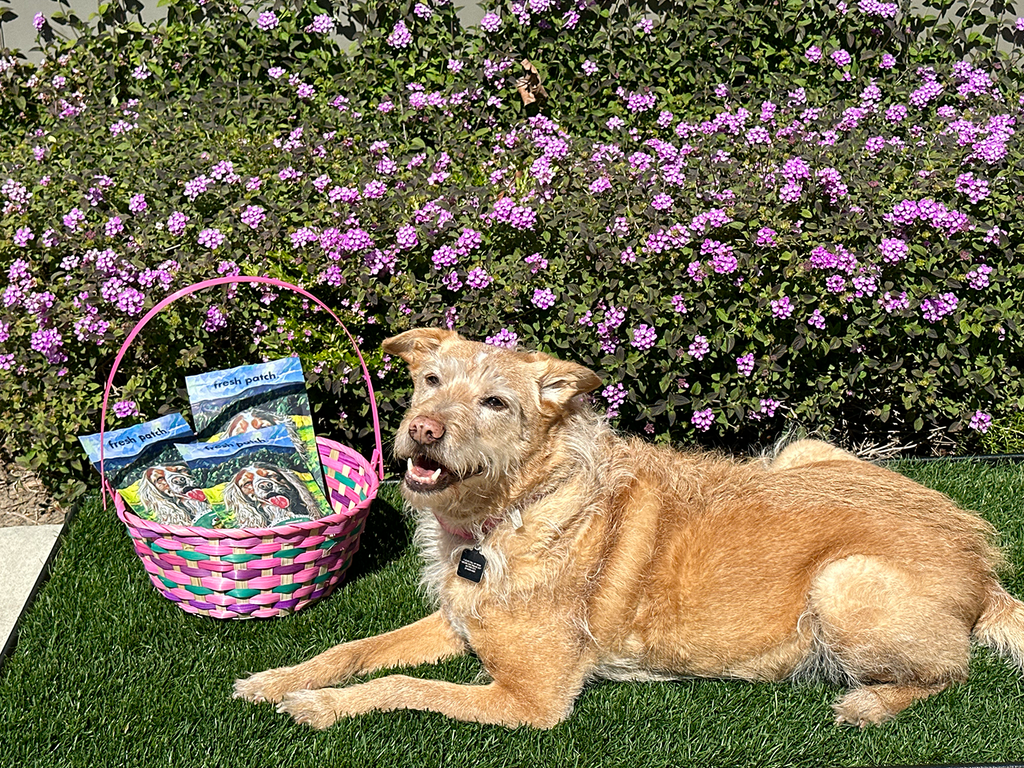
(376,462)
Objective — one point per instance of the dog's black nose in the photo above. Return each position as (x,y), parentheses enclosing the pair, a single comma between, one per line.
(425,430)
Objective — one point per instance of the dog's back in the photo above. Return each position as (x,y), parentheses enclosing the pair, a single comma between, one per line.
(723,558)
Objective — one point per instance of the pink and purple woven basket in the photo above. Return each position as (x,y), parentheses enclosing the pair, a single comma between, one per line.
(243,573)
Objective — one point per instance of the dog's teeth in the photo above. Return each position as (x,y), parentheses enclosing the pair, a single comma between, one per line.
(437,474)
(410,463)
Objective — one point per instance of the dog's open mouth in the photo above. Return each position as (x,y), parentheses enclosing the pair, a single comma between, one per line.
(425,475)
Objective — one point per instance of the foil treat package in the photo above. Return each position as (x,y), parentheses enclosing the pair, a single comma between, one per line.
(237,400)
(257,479)
(143,464)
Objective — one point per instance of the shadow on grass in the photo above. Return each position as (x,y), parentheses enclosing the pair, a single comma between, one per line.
(386,536)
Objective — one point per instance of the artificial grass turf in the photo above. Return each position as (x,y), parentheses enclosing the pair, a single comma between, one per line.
(108,672)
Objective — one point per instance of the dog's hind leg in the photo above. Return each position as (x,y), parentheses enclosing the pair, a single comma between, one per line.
(428,640)
(890,632)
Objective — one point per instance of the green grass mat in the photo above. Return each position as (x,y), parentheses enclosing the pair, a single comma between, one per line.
(109,673)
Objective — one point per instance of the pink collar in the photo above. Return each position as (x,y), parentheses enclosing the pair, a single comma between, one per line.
(489,525)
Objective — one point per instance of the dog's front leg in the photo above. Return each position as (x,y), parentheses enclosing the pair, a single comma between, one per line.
(538,667)
(539,702)
(428,640)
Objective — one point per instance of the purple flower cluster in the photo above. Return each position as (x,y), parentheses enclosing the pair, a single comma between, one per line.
(355,240)
(766,237)
(23,236)
(699,347)
(644,337)
(253,216)
(831,182)
(662,240)
(125,408)
(322,24)
(781,307)
(176,222)
(978,278)
(91,327)
(491,22)
(506,338)
(974,189)
(48,342)
(973,82)
(543,298)
(767,409)
(267,20)
(520,217)
(841,58)
(536,262)
(662,202)
(893,250)
(635,102)
(723,258)
(406,238)
(703,420)
(907,212)
(980,421)
(478,278)
(893,303)
(875,8)
(615,395)
(16,196)
(20,282)
(196,186)
(745,364)
(211,238)
(215,320)
(935,308)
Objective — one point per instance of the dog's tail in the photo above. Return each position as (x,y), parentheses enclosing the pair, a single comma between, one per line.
(1001,626)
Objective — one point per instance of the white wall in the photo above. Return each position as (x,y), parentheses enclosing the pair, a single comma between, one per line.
(19,33)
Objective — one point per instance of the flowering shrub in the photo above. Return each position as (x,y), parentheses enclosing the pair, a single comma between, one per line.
(742,214)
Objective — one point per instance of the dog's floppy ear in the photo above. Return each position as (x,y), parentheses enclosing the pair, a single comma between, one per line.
(412,345)
(561,380)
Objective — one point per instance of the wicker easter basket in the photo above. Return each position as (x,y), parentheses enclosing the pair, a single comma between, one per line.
(243,573)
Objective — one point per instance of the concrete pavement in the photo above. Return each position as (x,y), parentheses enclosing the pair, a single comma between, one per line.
(24,553)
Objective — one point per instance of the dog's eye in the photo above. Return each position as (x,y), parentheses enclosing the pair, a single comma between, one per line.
(432,380)
(494,403)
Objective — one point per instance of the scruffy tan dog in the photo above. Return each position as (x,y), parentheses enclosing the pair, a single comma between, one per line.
(559,553)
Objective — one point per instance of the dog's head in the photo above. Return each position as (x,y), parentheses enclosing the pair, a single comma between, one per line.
(478,413)
(170,495)
(265,494)
(253,418)
(174,481)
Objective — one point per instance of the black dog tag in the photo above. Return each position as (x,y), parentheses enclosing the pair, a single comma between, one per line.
(471,565)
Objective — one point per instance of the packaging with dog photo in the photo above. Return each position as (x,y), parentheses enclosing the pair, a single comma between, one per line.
(144,465)
(257,479)
(235,401)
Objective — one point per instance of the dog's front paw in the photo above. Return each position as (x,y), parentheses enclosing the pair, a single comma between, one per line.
(312,708)
(271,685)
